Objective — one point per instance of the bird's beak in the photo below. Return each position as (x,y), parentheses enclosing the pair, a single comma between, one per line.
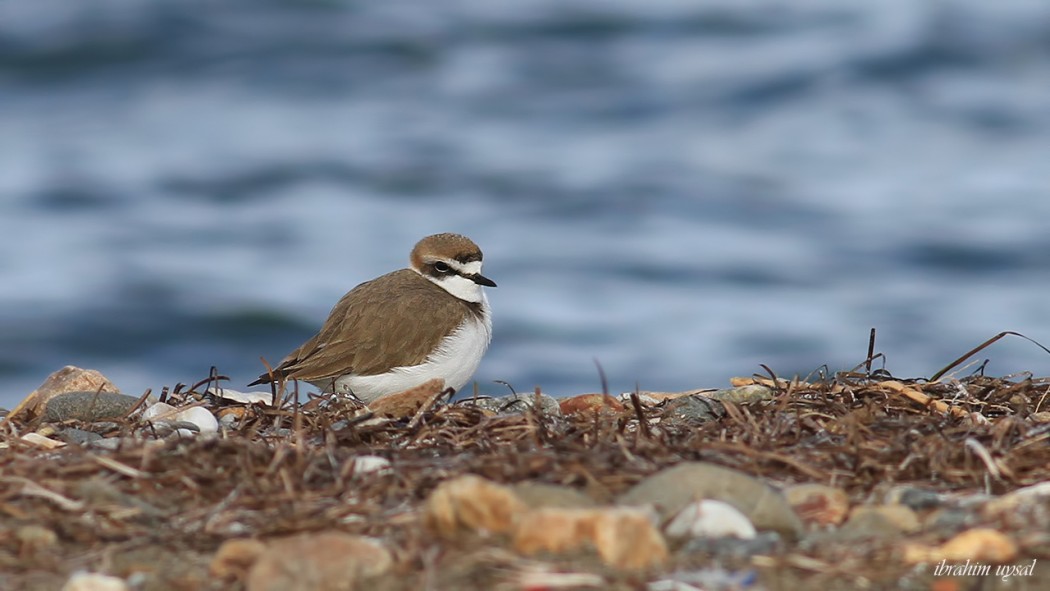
(482,280)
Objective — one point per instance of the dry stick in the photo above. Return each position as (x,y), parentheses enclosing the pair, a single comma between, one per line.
(976,349)
(871,351)
(642,423)
(917,396)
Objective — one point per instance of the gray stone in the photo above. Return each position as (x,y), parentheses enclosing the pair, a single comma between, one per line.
(692,410)
(78,436)
(539,494)
(515,404)
(88,406)
(743,394)
(670,490)
(914,497)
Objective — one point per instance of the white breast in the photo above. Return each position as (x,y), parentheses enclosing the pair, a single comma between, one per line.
(454,361)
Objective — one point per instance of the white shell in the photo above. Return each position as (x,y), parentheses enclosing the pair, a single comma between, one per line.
(201,417)
(264,398)
(709,518)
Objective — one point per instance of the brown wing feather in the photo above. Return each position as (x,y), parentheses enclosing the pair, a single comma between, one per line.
(355,338)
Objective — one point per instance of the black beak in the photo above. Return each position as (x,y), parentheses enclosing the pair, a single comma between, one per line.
(482,280)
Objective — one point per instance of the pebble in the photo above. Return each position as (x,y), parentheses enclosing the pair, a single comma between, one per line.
(878,521)
(673,488)
(319,561)
(87,406)
(235,558)
(743,394)
(538,494)
(818,504)
(369,464)
(68,379)
(978,544)
(471,503)
(515,404)
(914,497)
(624,537)
(1014,501)
(708,518)
(34,538)
(692,410)
(590,404)
(94,582)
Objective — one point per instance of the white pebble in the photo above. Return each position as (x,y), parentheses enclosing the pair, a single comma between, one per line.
(94,582)
(709,518)
(369,465)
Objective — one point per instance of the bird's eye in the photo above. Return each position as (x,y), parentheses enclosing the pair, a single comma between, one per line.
(442,267)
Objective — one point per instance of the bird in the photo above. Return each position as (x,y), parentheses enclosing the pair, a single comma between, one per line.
(403,329)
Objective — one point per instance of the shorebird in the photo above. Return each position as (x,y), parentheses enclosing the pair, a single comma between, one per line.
(400,330)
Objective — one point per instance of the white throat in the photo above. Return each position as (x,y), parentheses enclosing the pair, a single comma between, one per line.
(459,286)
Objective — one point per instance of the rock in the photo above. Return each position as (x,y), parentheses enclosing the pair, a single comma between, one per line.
(624,537)
(34,538)
(537,494)
(978,545)
(327,561)
(405,404)
(94,582)
(818,504)
(710,519)
(590,403)
(515,404)
(1016,500)
(914,498)
(88,406)
(235,558)
(369,464)
(471,503)
(66,380)
(880,521)
(692,410)
(673,488)
(743,394)
(78,436)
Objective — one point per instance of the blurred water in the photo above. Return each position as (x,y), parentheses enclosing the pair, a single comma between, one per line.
(679,190)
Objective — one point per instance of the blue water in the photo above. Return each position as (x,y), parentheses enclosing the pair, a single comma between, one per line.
(682,191)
